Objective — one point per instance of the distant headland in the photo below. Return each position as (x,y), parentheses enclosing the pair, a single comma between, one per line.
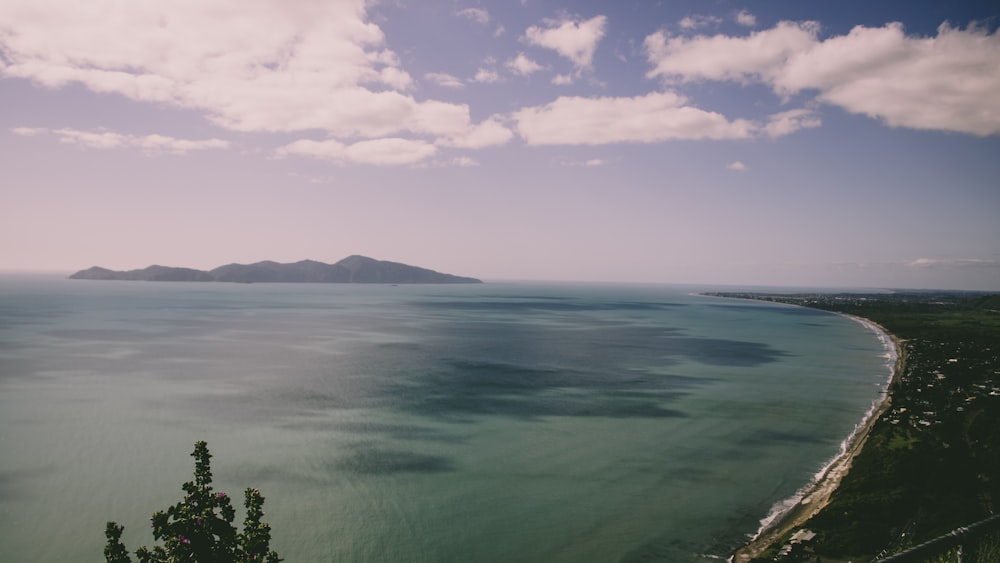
(353,269)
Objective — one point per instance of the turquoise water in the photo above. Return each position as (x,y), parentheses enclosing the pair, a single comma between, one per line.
(488,423)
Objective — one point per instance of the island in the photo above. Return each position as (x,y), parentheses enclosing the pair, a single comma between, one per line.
(353,269)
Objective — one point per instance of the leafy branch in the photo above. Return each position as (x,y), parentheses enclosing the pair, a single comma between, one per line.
(200,527)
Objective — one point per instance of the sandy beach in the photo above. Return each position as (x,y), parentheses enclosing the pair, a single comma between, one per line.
(817,496)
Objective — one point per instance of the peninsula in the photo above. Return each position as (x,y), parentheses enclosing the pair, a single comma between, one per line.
(353,269)
(928,460)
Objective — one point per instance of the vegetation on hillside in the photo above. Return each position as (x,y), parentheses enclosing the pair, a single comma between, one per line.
(932,461)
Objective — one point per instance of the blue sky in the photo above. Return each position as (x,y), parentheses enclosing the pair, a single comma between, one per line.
(744,143)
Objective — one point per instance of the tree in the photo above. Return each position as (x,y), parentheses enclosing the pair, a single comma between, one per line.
(200,527)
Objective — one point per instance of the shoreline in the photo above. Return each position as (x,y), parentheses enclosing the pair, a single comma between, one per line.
(816,496)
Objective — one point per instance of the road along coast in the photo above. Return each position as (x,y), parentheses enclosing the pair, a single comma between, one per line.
(816,496)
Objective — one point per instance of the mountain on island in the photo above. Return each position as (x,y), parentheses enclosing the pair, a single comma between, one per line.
(353,269)
(152,273)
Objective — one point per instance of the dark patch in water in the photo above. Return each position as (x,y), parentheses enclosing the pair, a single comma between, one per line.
(396,431)
(528,370)
(261,476)
(522,304)
(521,297)
(318,400)
(459,387)
(722,352)
(380,461)
(514,360)
(512,379)
(12,483)
(456,406)
(772,308)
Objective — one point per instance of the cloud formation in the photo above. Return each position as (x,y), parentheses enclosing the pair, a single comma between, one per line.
(947,82)
(324,68)
(562,79)
(444,79)
(788,122)
(478,15)
(651,118)
(397,151)
(659,116)
(522,65)
(696,21)
(486,134)
(486,76)
(389,151)
(745,18)
(573,39)
(273,66)
(758,56)
(149,144)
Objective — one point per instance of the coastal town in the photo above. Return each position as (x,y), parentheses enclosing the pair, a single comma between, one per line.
(931,460)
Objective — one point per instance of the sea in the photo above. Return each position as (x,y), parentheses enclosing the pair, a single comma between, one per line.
(495,422)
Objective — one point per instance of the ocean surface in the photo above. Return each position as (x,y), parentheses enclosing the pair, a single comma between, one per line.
(502,422)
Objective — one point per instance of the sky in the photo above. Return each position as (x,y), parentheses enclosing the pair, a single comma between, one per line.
(779,142)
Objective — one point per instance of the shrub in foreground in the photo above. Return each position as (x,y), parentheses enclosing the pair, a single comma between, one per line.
(200,527)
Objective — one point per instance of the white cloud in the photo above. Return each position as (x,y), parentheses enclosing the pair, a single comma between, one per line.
(589,163)
(643,119)
(522,65)
(271,67)
(395,77)
(390,151)
(562,79)
(444,79)
(90,139)
(737,166)
(150,144)
(654,117)
(395,151)
(745,18)
(721,57)
(463,162)
(478,15)
(488,133)
(946,82)
(28,131)
(456,128)
(787,122)
(574,39)
(486,76)
(696,21)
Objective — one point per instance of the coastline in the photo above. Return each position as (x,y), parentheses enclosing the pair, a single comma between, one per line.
(816,496)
